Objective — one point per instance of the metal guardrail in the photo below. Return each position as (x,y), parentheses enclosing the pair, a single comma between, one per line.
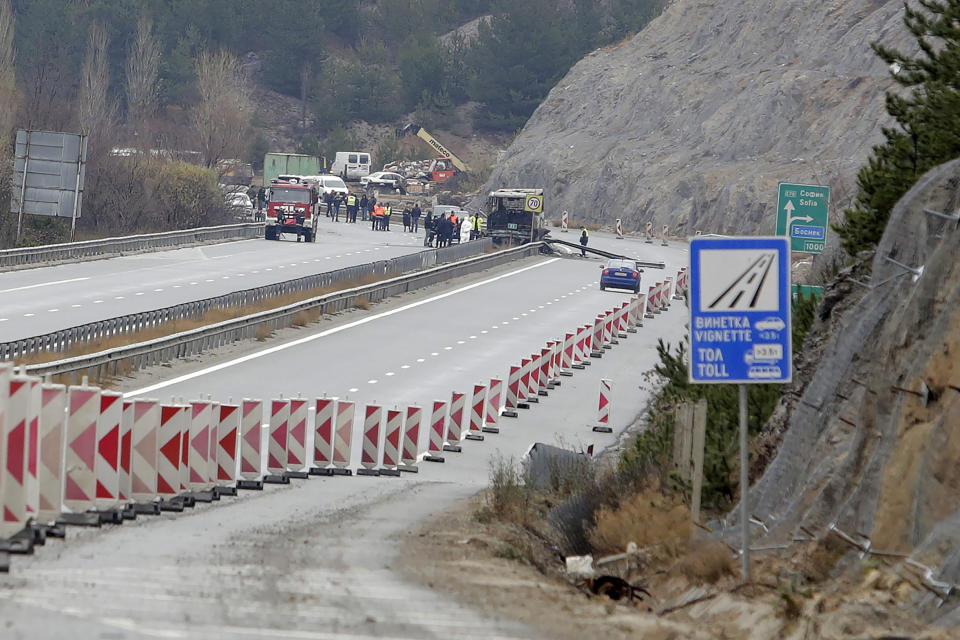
(188,343)
(63,339)
(109,247)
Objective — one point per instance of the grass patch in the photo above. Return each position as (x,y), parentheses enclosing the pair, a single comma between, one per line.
(651,519)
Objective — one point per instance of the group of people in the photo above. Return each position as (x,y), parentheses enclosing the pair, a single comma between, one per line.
(441,230)
(352,206)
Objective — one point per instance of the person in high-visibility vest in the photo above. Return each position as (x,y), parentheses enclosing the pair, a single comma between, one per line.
(475,226)
(376,216)
(351,208)
(385,223)
(584,238)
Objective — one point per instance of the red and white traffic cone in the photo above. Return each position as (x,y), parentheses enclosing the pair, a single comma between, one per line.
(370,442)
(650,302)
(620,321)
(251,417)
(603,419)
(536,387)
(277,442)
(513,393)
(143,455)
(667,292)
(641,310)
(492,419)
(323,437)
(392,439)
(596,338)
(225,457)
(297,439)
(343,437)
(438,432)
(107,464)
(609,339)
(588,331)
(198,453)
(630,319)
(410,454)
(168,458)
(545,382)
(458,402)
(557,362)
(580,349)
(53,406)
(476,412)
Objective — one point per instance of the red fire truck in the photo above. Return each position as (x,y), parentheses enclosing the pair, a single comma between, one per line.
(291,208)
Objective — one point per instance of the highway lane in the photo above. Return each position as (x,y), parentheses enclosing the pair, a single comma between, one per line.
(312,560)
(45,299)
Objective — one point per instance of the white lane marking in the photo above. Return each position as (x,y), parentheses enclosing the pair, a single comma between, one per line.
(447,348)
(4,319)
(373,381)
(388,373)
(194,283)
(461,341)
(52,310)
(473,337)
(434,354)
(209,280)
(332,331)
(29,315)
(76,306)
(97,301)
(225,278)
(353,390)
(157,290)
(421,359)
(42,284)
(404,366)
(138,293)
(177,286)
(118,297)
(483,331)
(516,317)
(268,269)
(255,271)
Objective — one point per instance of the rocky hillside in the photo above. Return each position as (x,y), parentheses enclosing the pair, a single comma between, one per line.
(692,122)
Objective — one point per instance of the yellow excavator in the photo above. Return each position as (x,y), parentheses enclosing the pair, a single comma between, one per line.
(444,166)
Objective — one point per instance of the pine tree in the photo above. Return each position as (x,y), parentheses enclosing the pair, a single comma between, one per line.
(928,120)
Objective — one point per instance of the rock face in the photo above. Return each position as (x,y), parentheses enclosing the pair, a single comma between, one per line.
(694,121)
(862,450)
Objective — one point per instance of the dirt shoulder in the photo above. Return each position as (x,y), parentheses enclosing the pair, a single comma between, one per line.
(479,564)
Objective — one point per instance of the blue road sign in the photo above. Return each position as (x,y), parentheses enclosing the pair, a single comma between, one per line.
(740,310)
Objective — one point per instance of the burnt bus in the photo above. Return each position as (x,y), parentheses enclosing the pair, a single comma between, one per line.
(515,216)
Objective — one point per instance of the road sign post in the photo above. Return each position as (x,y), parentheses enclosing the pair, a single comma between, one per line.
(802,215)
(740,327)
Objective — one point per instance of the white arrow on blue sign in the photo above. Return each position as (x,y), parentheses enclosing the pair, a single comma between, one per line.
(740,310)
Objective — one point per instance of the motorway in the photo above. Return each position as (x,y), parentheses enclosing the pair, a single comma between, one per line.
(45,299)
(313,560)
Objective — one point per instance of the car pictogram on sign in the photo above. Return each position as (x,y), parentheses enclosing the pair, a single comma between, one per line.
(770,324)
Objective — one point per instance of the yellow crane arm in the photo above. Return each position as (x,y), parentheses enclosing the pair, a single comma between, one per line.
(442,150)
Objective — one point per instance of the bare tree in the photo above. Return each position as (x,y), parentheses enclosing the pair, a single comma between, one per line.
(222,117)
(143,67)
(96,112)
(8,88)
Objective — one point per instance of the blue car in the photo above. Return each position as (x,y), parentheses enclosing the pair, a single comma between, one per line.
(621,274)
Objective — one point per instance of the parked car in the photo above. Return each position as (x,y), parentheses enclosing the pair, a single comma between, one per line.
(242,206)
(384,179)
(620,274)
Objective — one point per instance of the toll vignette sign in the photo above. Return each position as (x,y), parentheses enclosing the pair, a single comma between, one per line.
(740,302)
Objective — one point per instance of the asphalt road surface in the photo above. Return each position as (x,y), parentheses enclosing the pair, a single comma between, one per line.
(313,560)
(38,301)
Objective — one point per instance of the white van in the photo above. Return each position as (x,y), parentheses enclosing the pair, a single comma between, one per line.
(351,165)
(327,183)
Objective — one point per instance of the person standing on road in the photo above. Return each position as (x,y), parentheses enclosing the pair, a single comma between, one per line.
(387,211)
(415,218)
(376,217)
(475,226)
(584,238)
(364,203)
(351,208)
(406,219)
(328,200)
(336,207)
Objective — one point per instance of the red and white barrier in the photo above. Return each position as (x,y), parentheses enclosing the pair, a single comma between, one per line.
(513,392)
(557,360)
(6,371)
(251,417)
(588,331)
(411,439)
(370,442)
(168,460)
(546,364)
(143,450)
(492,418)
(603,417)
(640,310)
(33,449)
(53,405)
(458,402)
(596,338)
(525,389)
(537,388)
(198,453)
(184,421)
(297,438)
(228,429)
(438,431)
(663,236)
(668,286)
(277,440)
(649,232)
(126,433)
(107,465)
(392,439)
(13,476)
(566,356)
(343,434)
(619,230)
(477,408)
(609,338)
(212,447)
(323,433)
